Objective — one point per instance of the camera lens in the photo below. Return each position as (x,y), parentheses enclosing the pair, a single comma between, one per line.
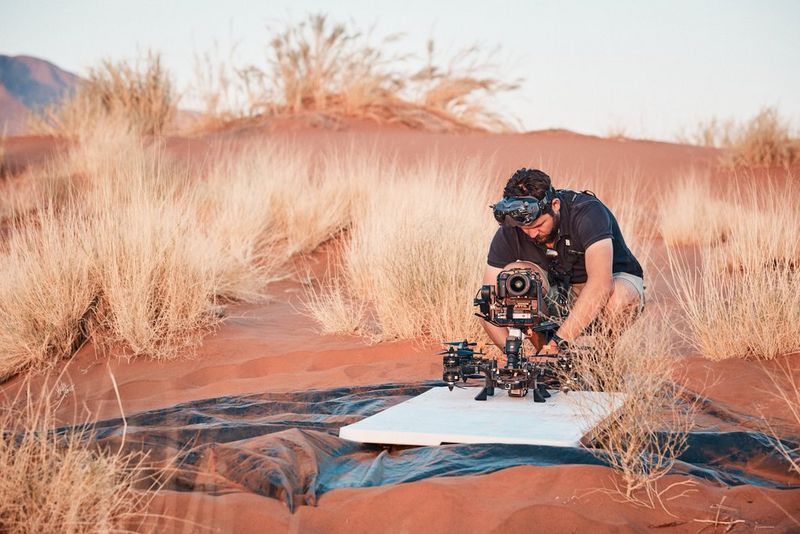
(518,285)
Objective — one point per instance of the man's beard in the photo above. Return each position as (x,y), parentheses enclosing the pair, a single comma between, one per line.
(551,237)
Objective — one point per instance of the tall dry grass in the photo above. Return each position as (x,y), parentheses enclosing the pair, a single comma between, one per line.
(691,213)
(159,249)
(55,481)
(157,274)
(47,293)
(645,436)
(319,67)
(49,186)
(413,256)
(631,205)
(287,195)
(125,263)
(713,132)
(140,93)
(157,280)
(766,139)
(125,259)
(333,305)
(752,313)
(740,296)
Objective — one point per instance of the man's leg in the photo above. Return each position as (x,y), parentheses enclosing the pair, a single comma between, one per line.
(624,304)
(626,301)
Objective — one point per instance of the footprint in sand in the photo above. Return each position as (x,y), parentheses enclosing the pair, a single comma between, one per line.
(354,371)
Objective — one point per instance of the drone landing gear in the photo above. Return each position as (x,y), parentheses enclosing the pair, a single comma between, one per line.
(540,393)
(488,389)
(484,392)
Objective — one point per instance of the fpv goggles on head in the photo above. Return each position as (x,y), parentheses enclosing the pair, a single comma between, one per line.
(521,211)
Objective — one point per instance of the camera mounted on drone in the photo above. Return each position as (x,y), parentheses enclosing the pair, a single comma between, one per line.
(518,303)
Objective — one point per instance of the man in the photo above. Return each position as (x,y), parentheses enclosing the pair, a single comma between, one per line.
(575,243)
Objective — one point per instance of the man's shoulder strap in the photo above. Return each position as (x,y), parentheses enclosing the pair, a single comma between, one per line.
(569,195)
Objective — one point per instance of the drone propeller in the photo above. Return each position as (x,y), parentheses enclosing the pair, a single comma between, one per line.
(459,352)
(464,343)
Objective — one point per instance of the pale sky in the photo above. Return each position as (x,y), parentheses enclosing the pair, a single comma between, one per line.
(647,67)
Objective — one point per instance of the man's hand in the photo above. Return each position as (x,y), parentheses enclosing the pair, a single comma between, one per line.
(549,349)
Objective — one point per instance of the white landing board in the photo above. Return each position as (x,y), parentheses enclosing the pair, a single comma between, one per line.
(441,416)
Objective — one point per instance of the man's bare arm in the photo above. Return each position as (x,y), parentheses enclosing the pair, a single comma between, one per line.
(599,284)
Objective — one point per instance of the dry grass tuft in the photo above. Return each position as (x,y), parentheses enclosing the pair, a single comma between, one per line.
(232,206)
(765,140)
(156,274)
(764,236)
(324,195)
(451,90)
(740,297)
(46,293)
(284,196)
(139,93)
(714,132)
(157,285)
(752,314)
(316,67)
(642,441)
(332,306)
(54,481)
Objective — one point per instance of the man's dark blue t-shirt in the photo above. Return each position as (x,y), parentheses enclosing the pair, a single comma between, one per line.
(584,221)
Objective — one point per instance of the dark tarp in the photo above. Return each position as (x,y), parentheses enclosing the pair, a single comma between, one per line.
(286,446)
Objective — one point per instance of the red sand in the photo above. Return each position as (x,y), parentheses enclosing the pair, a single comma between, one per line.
(273,348)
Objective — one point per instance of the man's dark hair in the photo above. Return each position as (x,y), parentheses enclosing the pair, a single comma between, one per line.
(527,183)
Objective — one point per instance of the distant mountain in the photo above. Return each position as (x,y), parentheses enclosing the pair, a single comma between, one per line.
(28,83)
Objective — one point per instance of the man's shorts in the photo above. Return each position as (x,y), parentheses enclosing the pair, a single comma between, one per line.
(575,289)
(635,281)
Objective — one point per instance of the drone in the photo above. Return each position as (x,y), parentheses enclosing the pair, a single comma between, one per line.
(517,303)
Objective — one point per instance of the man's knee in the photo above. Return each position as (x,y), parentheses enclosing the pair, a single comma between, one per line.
(625,299)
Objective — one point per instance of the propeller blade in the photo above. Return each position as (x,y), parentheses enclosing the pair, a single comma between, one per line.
(468,352)
(464,343)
